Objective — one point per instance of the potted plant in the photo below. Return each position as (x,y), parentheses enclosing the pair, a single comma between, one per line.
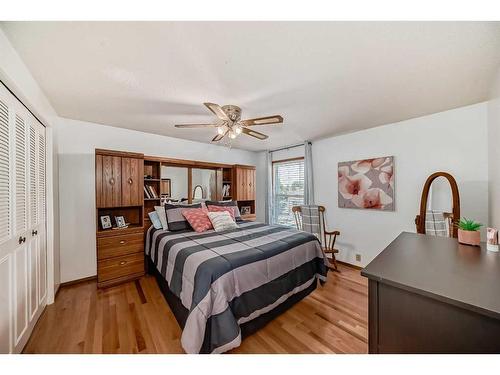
(468,232)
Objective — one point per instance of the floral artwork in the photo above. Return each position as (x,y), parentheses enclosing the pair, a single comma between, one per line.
(367,183)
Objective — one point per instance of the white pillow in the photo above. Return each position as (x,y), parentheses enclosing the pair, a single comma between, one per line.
(221,221)
(162,215)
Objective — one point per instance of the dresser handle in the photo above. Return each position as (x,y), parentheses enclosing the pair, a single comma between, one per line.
(122,242)
(122,263)
(112,181)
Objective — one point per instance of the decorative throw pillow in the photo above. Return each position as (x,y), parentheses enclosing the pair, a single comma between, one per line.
(176,221)
(155,219)
(233,204)
(162,216)
(222,221)
(198,219)
(230,210)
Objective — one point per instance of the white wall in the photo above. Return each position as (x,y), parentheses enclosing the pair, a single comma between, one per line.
(494,152)
(17,77)
(453,141)
(77,142)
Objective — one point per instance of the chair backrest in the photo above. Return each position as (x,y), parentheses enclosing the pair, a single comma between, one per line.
(297,214)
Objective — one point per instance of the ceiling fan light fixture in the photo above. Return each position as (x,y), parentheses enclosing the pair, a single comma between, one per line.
(237,129)
(221,130)
(232,134)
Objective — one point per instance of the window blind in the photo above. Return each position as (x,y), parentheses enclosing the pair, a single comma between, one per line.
(288,190)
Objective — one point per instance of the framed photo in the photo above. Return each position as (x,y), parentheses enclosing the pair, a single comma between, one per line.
(120,221)
(106,222)
(245,210)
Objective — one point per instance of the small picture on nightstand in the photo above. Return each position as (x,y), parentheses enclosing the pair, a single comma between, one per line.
(106,222)
(120,222)
(245,210)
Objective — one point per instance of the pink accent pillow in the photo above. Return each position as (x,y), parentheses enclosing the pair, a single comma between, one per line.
(198,219)
(229,209)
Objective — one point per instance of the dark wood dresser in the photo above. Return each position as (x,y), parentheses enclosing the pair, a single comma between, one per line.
(119,192)
(433,295)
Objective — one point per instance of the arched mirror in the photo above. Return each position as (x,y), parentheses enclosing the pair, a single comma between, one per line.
(198,192)
(439,206)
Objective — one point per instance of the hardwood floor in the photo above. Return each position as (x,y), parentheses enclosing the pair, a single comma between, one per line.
(135,318)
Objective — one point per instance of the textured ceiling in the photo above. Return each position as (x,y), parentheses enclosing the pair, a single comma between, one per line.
(324,78)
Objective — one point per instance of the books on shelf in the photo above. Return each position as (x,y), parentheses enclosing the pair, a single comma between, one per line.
(150,192)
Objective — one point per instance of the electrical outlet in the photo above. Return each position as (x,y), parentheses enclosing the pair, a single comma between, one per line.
(358,257)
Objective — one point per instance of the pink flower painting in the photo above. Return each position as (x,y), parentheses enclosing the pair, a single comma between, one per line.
(367,184)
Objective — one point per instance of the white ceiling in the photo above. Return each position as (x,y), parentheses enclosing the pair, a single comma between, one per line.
(325,78)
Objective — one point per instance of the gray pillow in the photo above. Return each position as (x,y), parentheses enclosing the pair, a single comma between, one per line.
(176,221)
(237,214)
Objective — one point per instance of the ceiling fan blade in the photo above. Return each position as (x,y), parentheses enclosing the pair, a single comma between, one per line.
(217,110)
(196,126)
(276,119)
(254,134)
(218,137)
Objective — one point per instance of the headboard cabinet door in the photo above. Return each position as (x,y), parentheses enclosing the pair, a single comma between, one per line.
(132,181)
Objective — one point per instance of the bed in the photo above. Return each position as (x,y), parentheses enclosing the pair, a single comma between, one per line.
(224,286)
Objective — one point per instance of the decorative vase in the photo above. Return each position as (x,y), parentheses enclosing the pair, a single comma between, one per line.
(469,237)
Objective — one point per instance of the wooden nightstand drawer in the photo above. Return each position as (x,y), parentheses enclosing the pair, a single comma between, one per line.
(109,247)
(119,267)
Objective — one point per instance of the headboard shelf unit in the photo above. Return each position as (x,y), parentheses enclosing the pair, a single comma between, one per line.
(226,175)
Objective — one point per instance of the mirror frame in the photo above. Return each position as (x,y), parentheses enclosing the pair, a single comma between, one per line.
(420,219)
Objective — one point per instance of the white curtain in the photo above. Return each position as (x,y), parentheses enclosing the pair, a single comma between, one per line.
(308,174)
(269,189)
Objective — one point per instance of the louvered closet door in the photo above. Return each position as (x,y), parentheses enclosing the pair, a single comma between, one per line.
(22,223)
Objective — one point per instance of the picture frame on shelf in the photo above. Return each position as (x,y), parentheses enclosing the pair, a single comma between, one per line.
(106,222)
(120,222)
(246,210)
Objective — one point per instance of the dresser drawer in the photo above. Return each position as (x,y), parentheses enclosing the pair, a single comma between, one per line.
(128,265)
(109,247)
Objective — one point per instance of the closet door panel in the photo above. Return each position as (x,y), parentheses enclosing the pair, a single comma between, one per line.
(33,185)
(21,292)
(33,276)
(5,305)
(5,178)
(42,267)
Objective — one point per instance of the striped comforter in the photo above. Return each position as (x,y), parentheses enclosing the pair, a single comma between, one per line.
(234,276)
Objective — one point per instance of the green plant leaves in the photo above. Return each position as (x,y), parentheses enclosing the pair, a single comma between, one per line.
(469,225)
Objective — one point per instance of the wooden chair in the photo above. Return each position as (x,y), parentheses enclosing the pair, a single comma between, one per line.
(326,238)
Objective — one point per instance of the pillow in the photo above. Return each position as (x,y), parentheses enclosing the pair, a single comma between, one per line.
(222,221)
(155,219)
(162,216)
(198,219)
(174,216)
(233,204)
(230,210)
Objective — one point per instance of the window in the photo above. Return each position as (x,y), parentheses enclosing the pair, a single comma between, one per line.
(288,189)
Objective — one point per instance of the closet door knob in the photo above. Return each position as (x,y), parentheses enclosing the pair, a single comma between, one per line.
(34,232)
(21,239)
(24,239)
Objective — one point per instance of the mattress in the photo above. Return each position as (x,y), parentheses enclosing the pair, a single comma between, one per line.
(227,279)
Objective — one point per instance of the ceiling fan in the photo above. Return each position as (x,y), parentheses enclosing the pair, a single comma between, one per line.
(229,122)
